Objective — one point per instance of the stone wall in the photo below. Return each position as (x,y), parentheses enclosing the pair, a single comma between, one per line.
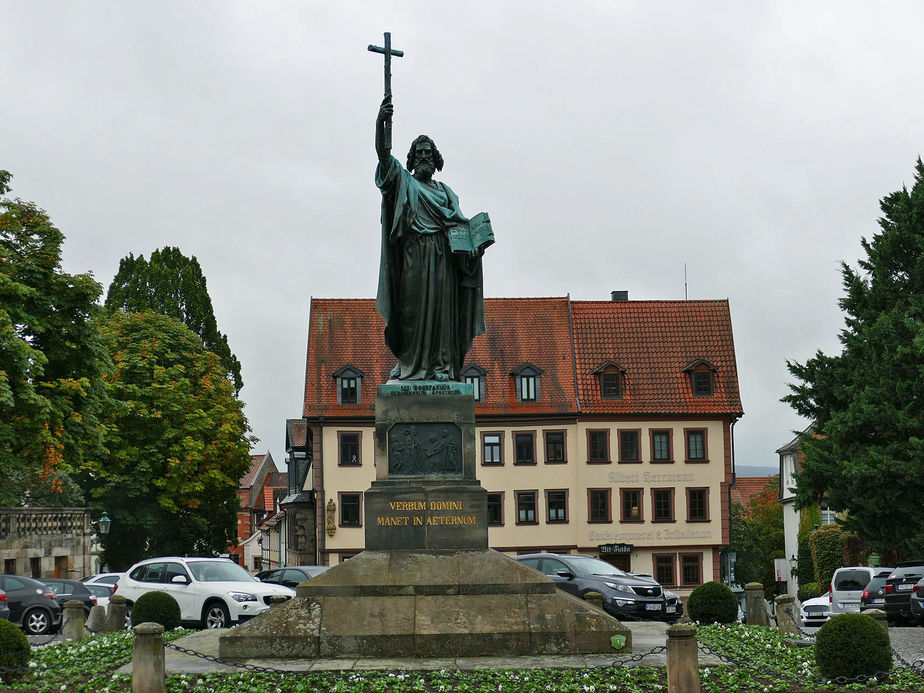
(46,542)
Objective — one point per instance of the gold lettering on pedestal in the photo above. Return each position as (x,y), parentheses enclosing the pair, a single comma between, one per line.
(425,518)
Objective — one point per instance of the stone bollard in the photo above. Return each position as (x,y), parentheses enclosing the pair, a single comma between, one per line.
(118,609)
(788,618)
(149,674)
(682,659)
(755,608)
(594,598)
(880,616)
(73,621)
(97,619)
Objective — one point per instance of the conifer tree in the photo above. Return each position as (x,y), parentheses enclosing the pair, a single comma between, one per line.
(867,403)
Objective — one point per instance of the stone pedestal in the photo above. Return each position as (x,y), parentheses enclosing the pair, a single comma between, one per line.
(427,584)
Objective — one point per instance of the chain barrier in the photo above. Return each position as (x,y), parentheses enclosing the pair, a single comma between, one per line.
(804,633)
(236,665)
(626,660)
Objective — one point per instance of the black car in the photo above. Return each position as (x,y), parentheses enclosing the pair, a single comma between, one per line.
(673,604)
(873,596)
(65,590)
(291,576)
(32,604)
(625,596)
(899,586)
(917,600)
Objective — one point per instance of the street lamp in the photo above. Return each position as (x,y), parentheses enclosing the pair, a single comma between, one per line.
(794,564)
(104,523)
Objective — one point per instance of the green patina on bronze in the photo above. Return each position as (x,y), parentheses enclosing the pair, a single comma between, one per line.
(430,290)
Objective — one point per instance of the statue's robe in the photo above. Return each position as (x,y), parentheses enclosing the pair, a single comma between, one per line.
(430,298)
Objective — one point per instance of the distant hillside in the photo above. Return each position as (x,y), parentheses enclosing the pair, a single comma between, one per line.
(741,470)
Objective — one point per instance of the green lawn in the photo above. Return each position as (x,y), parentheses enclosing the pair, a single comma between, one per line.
(765,663)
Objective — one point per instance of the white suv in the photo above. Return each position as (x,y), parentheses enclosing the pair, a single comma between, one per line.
(214,592)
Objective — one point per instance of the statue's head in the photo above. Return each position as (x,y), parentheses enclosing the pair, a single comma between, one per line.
(425,149)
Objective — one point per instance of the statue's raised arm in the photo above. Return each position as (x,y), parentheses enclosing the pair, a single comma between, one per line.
(382,130)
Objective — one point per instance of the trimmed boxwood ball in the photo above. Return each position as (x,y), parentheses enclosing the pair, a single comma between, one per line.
(14,651)
(852,645)
(156,607)
(712,602)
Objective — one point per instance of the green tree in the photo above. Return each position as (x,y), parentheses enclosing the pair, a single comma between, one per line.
(172,284)
(757,537)
(178,443)
(867,402)
(51,361)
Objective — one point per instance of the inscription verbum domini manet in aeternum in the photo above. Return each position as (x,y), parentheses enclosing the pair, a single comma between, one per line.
(444,513)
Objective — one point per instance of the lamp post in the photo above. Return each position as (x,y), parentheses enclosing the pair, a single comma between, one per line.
(104,523)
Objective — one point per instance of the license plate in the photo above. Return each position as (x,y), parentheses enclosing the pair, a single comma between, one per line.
(652,607)
(670,609)
(904,588)
(878,601)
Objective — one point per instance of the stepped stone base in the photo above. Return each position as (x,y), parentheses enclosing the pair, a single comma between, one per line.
(426,604)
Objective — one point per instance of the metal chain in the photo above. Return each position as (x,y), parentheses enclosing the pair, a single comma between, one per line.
(706,650)
(625,661)
(805,634)
(237,665)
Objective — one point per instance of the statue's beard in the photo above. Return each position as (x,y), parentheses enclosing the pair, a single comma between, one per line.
(424,169)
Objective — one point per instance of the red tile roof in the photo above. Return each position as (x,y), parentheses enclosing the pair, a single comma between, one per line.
(652,340)
(747,487)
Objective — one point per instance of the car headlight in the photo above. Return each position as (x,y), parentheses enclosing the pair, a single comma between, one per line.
(619,588)
(242,596)
(623,602)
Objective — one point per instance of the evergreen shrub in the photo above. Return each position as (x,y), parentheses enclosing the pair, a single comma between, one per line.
(852,645)
(827,553)
(14,651)
(156,607)
(809,590)
(712,602)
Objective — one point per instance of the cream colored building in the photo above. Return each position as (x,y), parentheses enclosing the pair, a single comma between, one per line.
(603,427)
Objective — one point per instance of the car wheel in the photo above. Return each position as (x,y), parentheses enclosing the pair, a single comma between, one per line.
(216,616)
(36,622)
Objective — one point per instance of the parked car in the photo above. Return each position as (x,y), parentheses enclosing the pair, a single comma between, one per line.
(673,604)
(103,578)
(65,590)
(4,606)
(873,596)
(213,592)
(917,601)
(625,596)
(815,611)
(32,604)
(291,576)
(899,587)
(101,591)
(847,585)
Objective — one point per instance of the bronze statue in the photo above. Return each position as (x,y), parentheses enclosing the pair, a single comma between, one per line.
(430,288)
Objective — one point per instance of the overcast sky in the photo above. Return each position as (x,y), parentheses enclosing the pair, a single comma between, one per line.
(613,144)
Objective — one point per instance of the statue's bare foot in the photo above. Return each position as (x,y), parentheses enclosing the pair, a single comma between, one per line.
(440,377)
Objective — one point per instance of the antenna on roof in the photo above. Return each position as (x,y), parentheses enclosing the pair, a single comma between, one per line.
(685,297)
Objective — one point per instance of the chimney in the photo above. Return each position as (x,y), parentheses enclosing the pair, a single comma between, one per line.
(619,296)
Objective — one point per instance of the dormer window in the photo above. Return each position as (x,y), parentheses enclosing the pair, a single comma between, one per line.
(474,376)
(702,377)
(527,380)
(610,376)
(349,385)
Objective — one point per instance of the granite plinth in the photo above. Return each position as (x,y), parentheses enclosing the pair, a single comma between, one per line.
(420,604)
